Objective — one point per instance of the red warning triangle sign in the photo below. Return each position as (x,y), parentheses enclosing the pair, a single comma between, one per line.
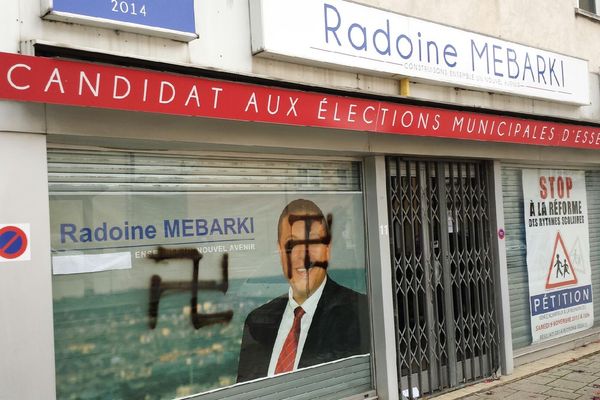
(561,271)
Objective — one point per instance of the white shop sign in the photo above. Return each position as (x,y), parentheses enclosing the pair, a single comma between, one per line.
(342,34)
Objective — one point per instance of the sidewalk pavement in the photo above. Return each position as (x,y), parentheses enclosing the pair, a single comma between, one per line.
(572,375)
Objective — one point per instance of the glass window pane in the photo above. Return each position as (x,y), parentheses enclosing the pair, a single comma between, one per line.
(136,322)
(588,5)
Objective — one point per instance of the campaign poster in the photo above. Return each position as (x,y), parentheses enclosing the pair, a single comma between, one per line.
(132,322)
(558,253)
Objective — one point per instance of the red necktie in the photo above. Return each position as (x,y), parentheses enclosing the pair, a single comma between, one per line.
(287,357)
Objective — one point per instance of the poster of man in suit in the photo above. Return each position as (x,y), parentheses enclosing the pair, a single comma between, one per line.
(318,320)
(153,321)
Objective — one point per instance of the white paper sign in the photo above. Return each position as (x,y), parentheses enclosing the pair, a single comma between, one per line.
(82,263)
(414,392)
(558,253)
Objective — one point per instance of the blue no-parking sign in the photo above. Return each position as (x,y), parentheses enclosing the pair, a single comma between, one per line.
(14,242)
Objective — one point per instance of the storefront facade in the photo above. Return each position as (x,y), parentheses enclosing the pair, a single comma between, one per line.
(147,163)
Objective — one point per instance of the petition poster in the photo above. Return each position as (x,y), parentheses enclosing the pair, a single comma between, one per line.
(558,252)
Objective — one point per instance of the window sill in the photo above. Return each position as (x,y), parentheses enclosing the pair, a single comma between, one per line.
(587,14)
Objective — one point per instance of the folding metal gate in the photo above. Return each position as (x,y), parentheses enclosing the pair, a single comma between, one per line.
(446,329)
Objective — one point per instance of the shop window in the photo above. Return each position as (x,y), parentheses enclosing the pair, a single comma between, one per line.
(171,276)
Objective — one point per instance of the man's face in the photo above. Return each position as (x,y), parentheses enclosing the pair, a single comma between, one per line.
(303,280)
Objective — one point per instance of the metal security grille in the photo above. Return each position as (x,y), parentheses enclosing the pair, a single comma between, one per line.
(446,329)
(87,171)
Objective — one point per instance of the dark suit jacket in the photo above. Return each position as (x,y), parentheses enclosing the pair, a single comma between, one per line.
(339,328)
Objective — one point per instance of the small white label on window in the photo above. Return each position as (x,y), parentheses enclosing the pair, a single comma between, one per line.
(81,263)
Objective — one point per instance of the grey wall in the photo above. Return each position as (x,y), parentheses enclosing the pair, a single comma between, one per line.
(26,331)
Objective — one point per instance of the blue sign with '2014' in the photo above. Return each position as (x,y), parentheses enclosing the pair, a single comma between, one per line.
(175,15)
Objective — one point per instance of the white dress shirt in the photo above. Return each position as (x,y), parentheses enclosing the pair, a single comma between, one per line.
(309,306)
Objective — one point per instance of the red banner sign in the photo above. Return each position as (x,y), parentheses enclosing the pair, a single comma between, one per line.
(47,80)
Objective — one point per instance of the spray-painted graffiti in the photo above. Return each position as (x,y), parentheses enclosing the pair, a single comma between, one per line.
(158,287)
(308,221)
